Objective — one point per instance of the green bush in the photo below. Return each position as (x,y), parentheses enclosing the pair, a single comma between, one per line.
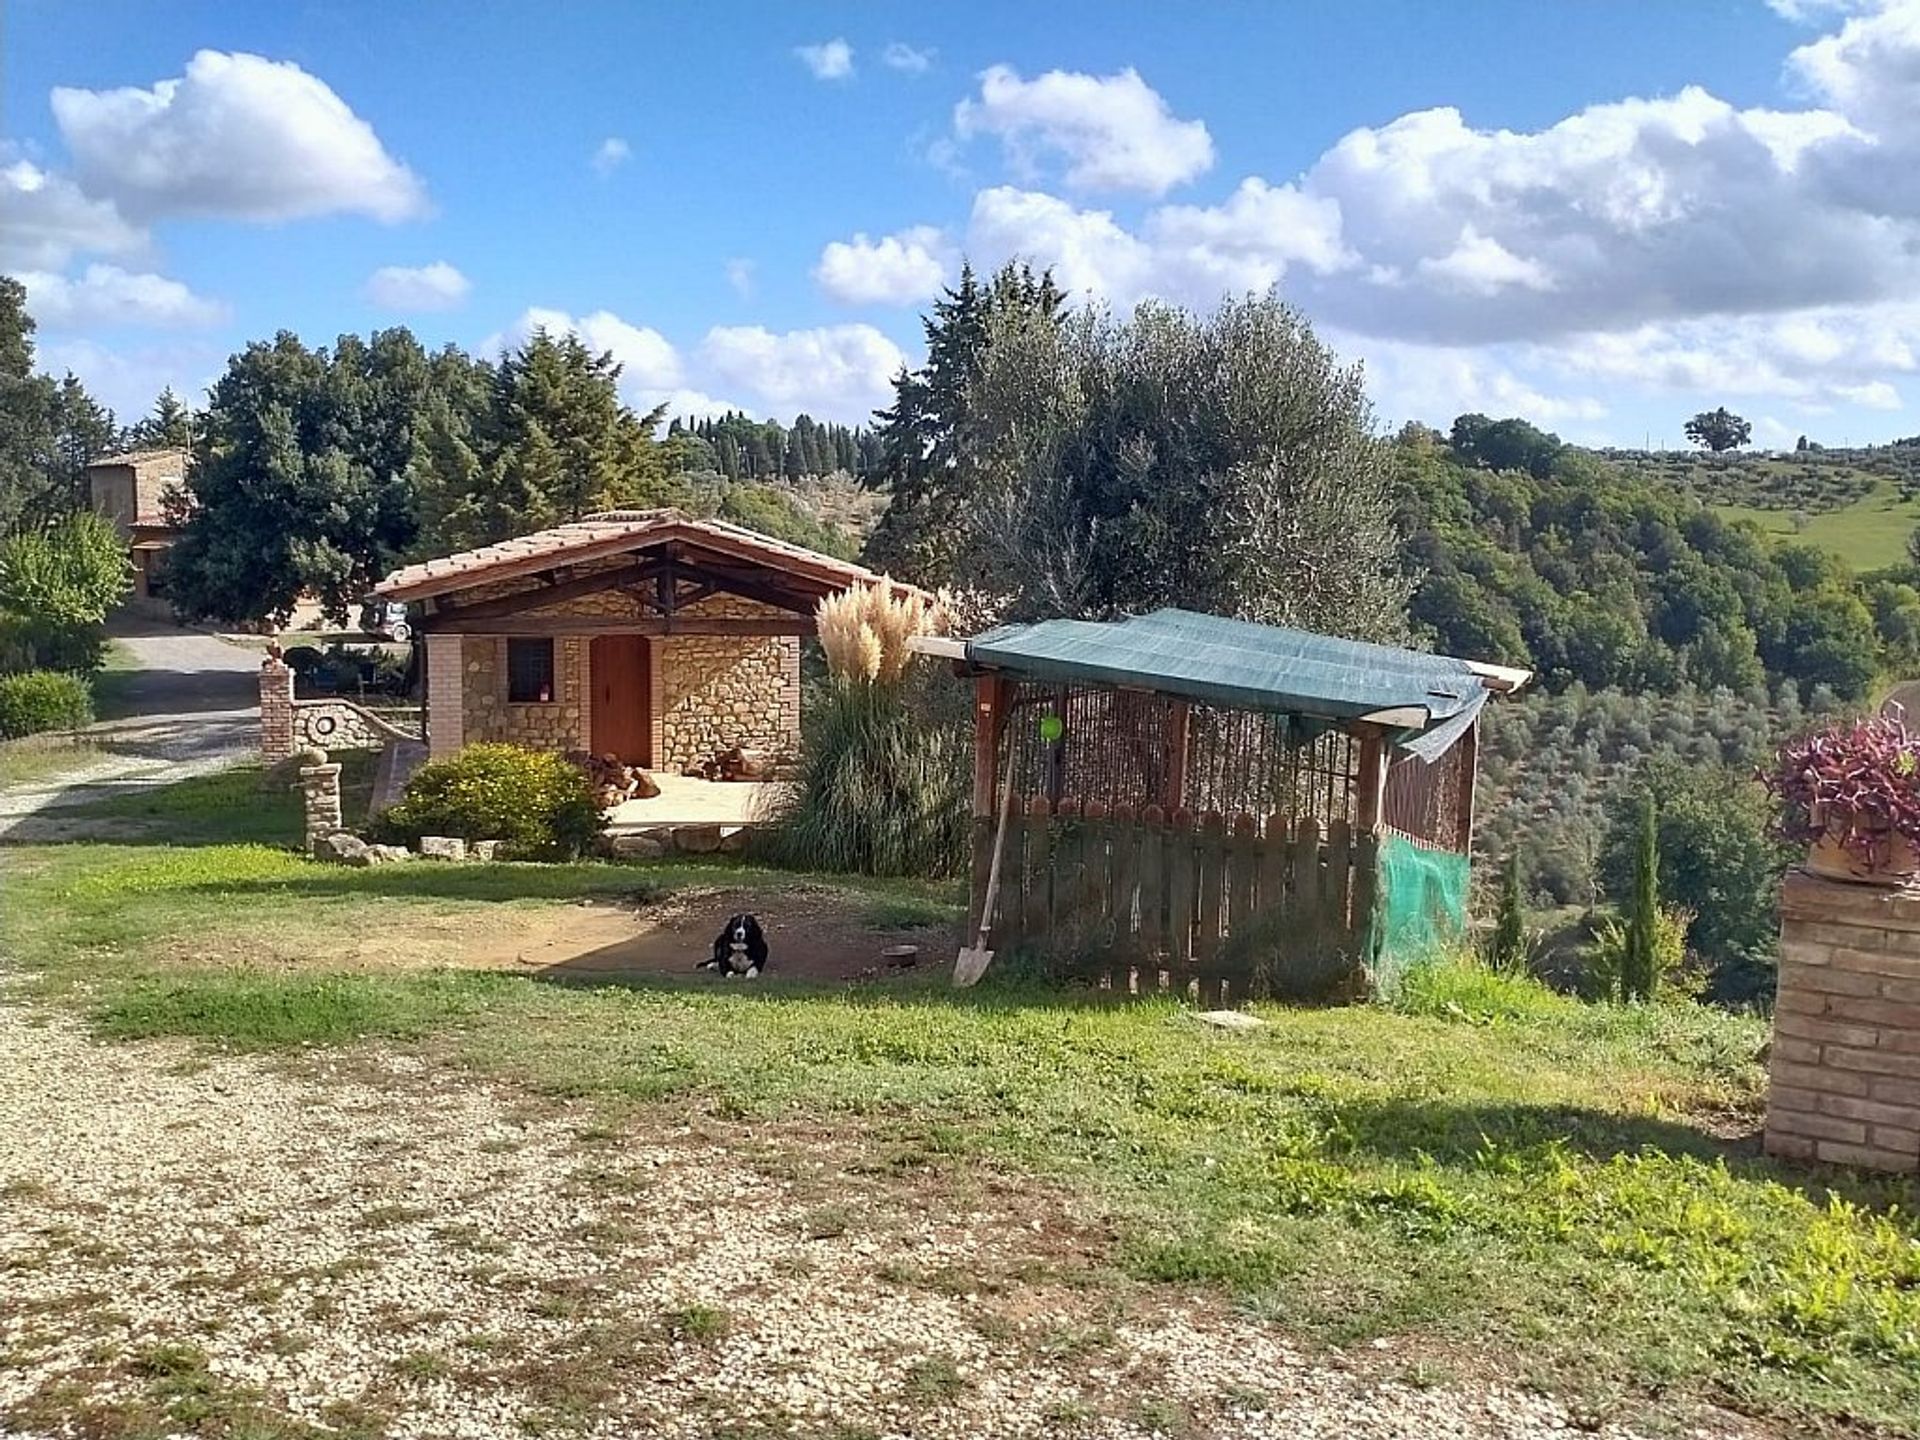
(40,700)
(537,802)
(885,786)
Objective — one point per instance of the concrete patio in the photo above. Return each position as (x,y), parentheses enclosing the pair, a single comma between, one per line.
(683,800)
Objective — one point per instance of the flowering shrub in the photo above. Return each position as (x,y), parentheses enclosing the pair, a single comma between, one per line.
(1857,782)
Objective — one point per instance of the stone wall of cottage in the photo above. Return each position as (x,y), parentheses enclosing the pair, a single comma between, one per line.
(1845,1069)
(558,724)
(710,692)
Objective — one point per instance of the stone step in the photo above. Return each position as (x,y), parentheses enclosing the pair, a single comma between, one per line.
(396,766)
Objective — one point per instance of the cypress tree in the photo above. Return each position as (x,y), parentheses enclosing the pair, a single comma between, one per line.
(1508,950)
(1638,966)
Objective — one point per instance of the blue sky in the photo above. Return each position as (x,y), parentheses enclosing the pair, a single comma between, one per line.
(1603,216)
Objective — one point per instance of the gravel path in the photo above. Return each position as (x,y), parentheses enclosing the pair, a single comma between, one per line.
(194,704)
(381,1248)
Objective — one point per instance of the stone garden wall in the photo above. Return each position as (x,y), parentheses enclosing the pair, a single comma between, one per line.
(1845,1068)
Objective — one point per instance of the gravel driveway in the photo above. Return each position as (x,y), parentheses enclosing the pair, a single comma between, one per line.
(383,1249)
(194,705)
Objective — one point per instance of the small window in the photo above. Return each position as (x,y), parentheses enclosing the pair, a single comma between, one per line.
(529,671)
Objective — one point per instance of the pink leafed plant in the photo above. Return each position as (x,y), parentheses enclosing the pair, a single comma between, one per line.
(1855,781)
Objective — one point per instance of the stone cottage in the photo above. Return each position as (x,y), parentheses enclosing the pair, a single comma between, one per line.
(131,490)
(645,634)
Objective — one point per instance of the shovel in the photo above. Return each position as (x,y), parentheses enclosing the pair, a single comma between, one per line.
(972,961)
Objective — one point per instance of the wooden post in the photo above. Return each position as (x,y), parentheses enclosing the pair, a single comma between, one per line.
(1370,784)
(1179,731)
(1468,760)
(989,724)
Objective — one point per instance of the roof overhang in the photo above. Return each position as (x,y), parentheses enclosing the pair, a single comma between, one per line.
(615,533)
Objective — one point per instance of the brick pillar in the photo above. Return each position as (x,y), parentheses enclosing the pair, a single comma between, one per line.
(1845,1070)
(320,797)
(446,691)
(276,710)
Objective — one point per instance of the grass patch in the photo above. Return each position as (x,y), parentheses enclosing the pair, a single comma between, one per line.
(41,757)
(244,805)
(1484,1165)
(697,1322)
(1869,534)
(933,1380)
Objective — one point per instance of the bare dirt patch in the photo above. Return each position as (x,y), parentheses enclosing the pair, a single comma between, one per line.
(812,935)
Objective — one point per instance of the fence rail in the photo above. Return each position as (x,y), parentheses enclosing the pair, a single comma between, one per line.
(1146,901)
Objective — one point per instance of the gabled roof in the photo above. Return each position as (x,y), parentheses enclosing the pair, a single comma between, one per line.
(1246,666)
(617,532)
(142,457)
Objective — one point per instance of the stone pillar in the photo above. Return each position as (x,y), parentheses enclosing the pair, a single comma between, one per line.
(320,797)
(446,691)
(276,710)
(1845,1070)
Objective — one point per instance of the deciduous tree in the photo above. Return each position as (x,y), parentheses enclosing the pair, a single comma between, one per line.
(1719,430)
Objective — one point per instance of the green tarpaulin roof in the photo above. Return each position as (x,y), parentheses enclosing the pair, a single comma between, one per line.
(1245,666)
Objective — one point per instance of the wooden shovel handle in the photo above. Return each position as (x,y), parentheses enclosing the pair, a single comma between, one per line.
(999,845)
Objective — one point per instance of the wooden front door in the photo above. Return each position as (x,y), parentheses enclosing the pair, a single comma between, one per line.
(622,698)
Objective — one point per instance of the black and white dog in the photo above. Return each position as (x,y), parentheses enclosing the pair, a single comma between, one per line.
(740,949)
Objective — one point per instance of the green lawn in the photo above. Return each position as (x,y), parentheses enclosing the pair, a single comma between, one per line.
(1869,534)
(1567,1194)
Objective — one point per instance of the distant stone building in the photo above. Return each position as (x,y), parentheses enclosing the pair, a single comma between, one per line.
(130,490)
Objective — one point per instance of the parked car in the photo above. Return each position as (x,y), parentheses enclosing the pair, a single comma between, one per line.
(385,618)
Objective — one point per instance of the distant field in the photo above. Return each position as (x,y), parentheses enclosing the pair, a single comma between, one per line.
(1859,504)
(1869,534)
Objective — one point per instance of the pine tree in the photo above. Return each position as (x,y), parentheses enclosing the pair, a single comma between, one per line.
(169,425)
(919,433)
(1639,967)
(1508,948)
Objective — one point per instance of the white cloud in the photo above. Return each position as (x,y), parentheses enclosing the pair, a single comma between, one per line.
(649,365)
(127,379)
(45,220)
(104,296)
(1089,252)
(610,155)
(1191,255)
(419,287)
(1115,132)
(901,56)
(837,373)
(829,60)
(740,275)
(237,136)
(1814,12)
(1481,265)
(893,270)
(840,372)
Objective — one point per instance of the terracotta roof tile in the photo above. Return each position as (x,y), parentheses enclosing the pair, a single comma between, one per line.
(610,533)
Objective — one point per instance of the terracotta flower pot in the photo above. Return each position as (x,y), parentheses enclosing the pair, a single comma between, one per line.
(1894,861)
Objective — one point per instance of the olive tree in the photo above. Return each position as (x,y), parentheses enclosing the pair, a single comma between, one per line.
(1223,463)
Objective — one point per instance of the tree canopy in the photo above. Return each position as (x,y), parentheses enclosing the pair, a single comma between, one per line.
(1589,573)
(317,471)
(1719,430)
(49,429)
(1223,463)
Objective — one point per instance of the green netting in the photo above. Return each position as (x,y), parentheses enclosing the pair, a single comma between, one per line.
(1421,906)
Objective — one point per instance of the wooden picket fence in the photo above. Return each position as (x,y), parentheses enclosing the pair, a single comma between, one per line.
(1144,902)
